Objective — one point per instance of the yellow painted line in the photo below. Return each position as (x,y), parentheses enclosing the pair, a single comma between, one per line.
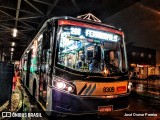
(42,106)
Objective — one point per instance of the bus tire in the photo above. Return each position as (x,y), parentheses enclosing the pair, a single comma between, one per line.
(34,90)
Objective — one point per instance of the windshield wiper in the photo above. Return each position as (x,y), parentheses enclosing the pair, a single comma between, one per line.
(99,65)
(95,66)
(112,67)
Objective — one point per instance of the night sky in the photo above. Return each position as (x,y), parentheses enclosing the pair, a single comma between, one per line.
(140,23)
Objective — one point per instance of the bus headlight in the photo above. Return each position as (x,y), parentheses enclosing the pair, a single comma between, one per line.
(129,85)
(70,89)
(62,85)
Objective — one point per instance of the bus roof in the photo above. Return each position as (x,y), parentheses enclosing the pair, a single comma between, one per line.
(68,18)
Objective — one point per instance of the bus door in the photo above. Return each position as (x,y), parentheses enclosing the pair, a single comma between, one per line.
(28,68)
(45,49)
(43,77)
(44,71)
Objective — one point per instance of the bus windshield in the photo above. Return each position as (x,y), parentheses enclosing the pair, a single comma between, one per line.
(90,50)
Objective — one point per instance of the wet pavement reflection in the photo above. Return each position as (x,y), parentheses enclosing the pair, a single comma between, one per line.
(139,106)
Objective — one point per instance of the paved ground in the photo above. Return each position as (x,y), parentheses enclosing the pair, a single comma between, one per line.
(140,104)
(15,104)
(147,87)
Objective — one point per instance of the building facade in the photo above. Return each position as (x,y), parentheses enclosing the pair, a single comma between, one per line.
(142,61)
(157,71)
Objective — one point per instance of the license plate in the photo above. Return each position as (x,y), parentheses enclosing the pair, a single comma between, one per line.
(103,109)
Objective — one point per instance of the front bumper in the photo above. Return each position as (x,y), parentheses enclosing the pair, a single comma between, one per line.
(72,104)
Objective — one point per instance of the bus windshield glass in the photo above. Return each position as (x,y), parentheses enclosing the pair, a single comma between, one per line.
(90,49)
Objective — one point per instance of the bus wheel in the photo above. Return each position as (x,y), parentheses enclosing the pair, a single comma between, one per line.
(23,80)
(34,90)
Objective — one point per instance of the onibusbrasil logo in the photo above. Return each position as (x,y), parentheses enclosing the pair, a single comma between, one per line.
(13,114)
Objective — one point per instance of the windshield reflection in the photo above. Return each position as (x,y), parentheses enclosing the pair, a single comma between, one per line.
(90,55)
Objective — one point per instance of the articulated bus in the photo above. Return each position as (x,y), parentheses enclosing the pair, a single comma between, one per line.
(77,66)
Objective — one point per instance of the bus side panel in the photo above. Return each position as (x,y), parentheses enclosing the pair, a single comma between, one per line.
(34,78)
(49,101)
(23,78)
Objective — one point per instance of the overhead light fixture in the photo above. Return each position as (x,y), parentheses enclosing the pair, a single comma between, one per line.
(14,32)
(4,54)
(13,43)
(12,49)
(11,57)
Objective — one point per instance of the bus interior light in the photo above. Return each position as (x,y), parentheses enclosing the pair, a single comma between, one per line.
(40,37)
